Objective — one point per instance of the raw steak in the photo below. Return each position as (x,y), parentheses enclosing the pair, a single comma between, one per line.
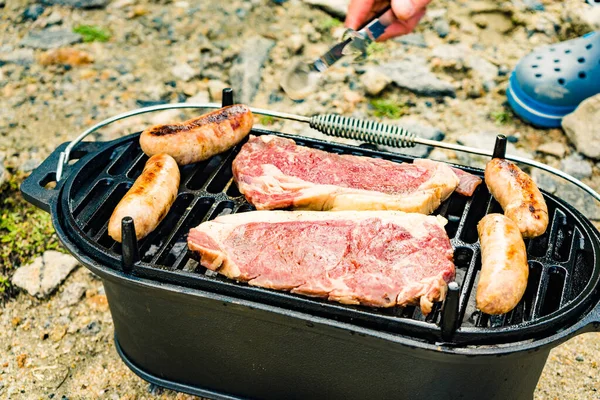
(275,173)
(373,258)
(468,182)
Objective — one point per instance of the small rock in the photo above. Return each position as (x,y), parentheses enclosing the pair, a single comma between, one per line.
(45,273)
(576,166)
(54,19)
(19,57)
(29,165)
(48,39)
(336,8)
(65,56)
(374,81)
(77,3)
(245,74)
(555,149)
(215,89)
(579,358)
(91,329)
(33,12)
(583,17)
(183,72)
(422,131)
(442,27)
(582,127)
(484,69)
(454,54)
(295,43)
(413,73)
(4,175)
(72,293)
(58,332)
(412,39)
(21,359)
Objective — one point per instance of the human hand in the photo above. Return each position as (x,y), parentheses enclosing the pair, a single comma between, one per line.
(408,12)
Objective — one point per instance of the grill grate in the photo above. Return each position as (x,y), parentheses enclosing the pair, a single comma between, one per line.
(562,261)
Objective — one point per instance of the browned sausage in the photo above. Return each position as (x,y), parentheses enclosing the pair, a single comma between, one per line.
(518,195)
(149,199)
(199,138)
(504,269)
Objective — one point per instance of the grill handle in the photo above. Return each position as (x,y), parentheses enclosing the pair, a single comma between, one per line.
(41,187)
(333,125)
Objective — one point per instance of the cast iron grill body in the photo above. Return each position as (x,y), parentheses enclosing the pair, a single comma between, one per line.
(166,294)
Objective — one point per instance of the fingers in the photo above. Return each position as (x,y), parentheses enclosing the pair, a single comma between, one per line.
(407,9)
(402,27)
(358,12)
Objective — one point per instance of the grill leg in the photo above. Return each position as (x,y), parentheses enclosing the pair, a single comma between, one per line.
(227,97)
(449,319)
(500,147)
(129,246)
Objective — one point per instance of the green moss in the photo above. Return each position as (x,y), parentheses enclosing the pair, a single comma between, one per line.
(25,232)
(375,48)
(387,108)
(501,117)
(328,23)
(92,33)
(266,120)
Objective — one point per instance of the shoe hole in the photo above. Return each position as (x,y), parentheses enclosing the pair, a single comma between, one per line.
(534,66)
(589,46)
(538,57)
(582,75)
(581,60)
(552,49)
(557,69)
(538,75)
(556,61)
(568,51)
(561,81)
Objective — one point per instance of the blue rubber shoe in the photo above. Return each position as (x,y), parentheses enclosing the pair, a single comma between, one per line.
(550,82)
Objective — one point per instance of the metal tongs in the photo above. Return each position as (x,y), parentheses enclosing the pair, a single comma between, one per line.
(355,43)
(302,78)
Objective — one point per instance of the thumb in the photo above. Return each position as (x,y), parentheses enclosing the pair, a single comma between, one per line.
(406,9)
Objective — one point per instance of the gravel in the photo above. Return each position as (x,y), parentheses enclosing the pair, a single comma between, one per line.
(576,166)
(412,39)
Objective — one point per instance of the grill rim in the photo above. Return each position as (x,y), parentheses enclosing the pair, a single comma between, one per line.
(81,241)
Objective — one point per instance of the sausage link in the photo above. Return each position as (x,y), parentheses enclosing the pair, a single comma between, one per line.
(504,268)
(149,199)
(199,138)
(518,195)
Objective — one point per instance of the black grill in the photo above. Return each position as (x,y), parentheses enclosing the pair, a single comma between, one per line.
(563,261)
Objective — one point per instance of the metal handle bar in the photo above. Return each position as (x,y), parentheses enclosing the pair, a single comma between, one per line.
(333,125)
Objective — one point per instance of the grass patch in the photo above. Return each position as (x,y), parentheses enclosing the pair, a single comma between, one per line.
(387,108)
(501,117)
(92,33)
(375,48)
(329,23)
(25,232)
(266,120)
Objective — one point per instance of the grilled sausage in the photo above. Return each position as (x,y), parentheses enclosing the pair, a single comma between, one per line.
(199,138)
(518,195)
(149,199)
(504,268)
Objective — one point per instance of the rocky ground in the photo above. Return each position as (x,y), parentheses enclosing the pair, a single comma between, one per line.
(67,64)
